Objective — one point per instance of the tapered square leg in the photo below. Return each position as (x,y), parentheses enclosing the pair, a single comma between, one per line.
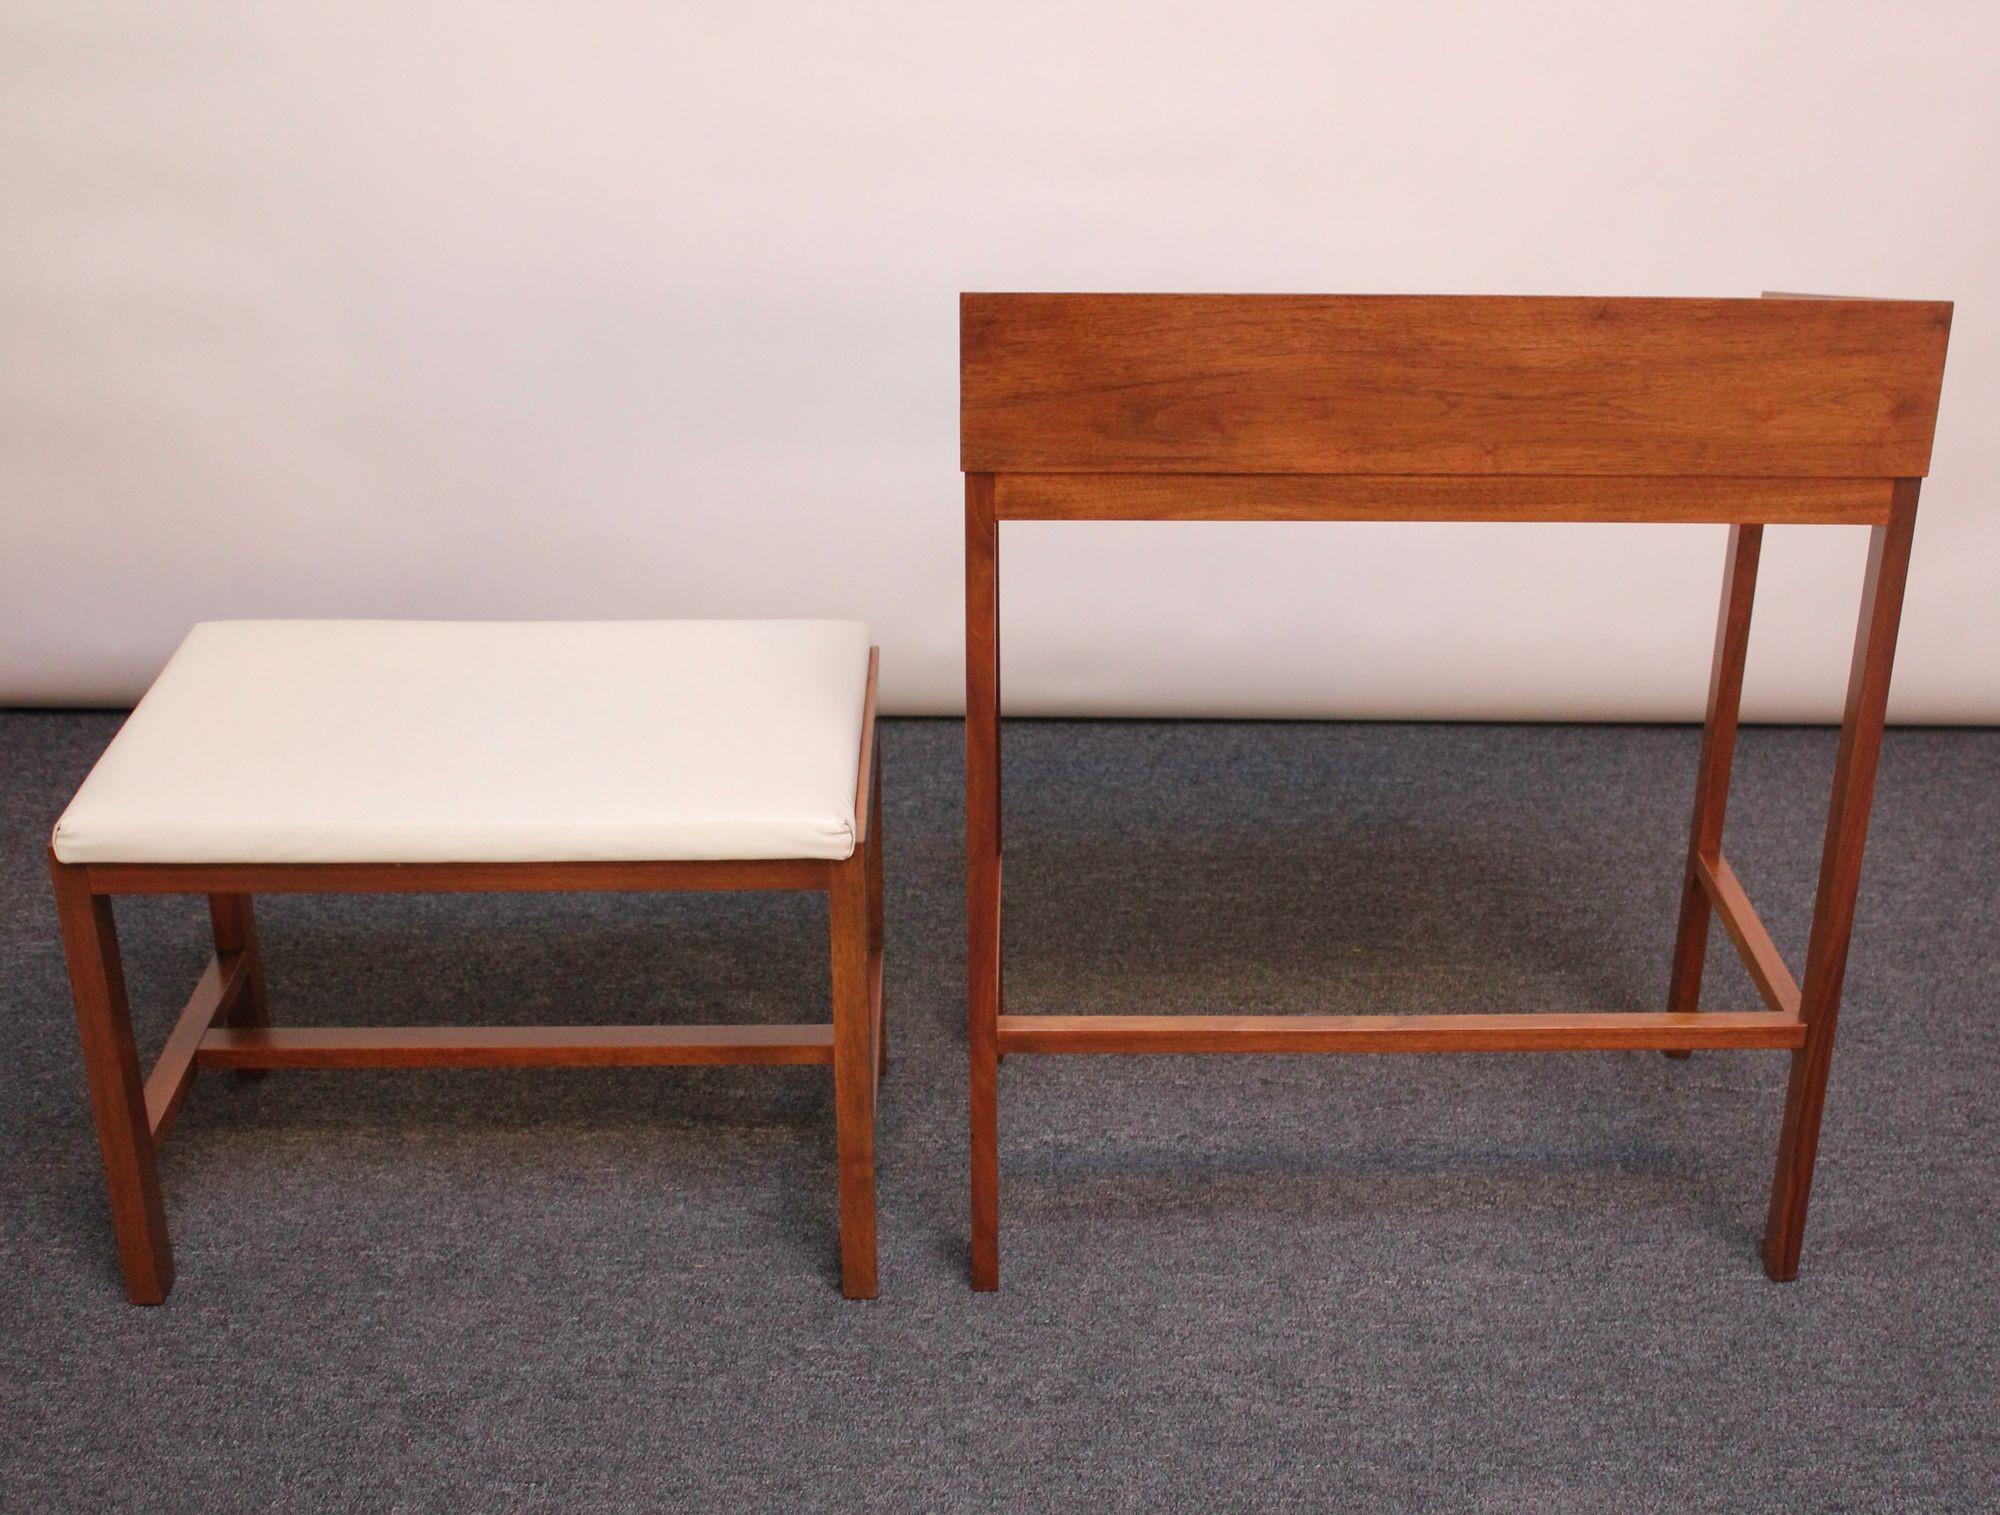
(117,1092)
(854,1075)
(1839,880)
(1718,751)
(982,856)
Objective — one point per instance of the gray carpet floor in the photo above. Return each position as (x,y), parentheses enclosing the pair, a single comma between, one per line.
(1475,1283)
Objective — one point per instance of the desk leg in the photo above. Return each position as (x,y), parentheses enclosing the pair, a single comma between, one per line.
(1718,749)
(982,854)
(1839,879)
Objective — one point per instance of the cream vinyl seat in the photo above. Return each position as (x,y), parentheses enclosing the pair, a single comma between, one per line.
(477,742)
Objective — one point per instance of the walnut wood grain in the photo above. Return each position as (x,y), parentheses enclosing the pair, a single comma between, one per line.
(1434,497)
(877,935)
(1766,965)
(513,1046)
(855,1070)
(1093,383)
(216,994)
(117,1095)
(1839,880)
(1783,410)
(233,921)
(1615,1031)
(1718,753)
(982,860)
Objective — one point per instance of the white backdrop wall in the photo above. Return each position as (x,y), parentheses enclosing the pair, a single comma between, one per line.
(630,310)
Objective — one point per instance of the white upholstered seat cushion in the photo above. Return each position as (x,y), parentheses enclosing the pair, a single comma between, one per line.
(441,741)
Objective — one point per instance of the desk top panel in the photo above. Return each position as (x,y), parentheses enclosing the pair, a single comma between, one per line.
(1449,384)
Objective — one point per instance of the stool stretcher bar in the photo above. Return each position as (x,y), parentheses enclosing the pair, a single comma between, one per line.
(516,1046)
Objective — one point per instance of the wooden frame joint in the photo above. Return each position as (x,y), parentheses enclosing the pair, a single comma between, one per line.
(1739,918)
(220,986)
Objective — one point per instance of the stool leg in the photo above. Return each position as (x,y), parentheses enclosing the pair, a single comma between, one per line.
(853,1075)
(236,934)
(1839,881)
(117,1093)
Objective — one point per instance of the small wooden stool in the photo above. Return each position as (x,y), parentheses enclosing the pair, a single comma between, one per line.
(398,757)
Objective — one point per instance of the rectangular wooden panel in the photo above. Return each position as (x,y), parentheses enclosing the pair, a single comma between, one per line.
(1434,497)
(1397,1033)
(1391,384)
(512,1046)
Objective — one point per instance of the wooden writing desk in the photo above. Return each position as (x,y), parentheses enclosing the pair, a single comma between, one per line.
(1787,409)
